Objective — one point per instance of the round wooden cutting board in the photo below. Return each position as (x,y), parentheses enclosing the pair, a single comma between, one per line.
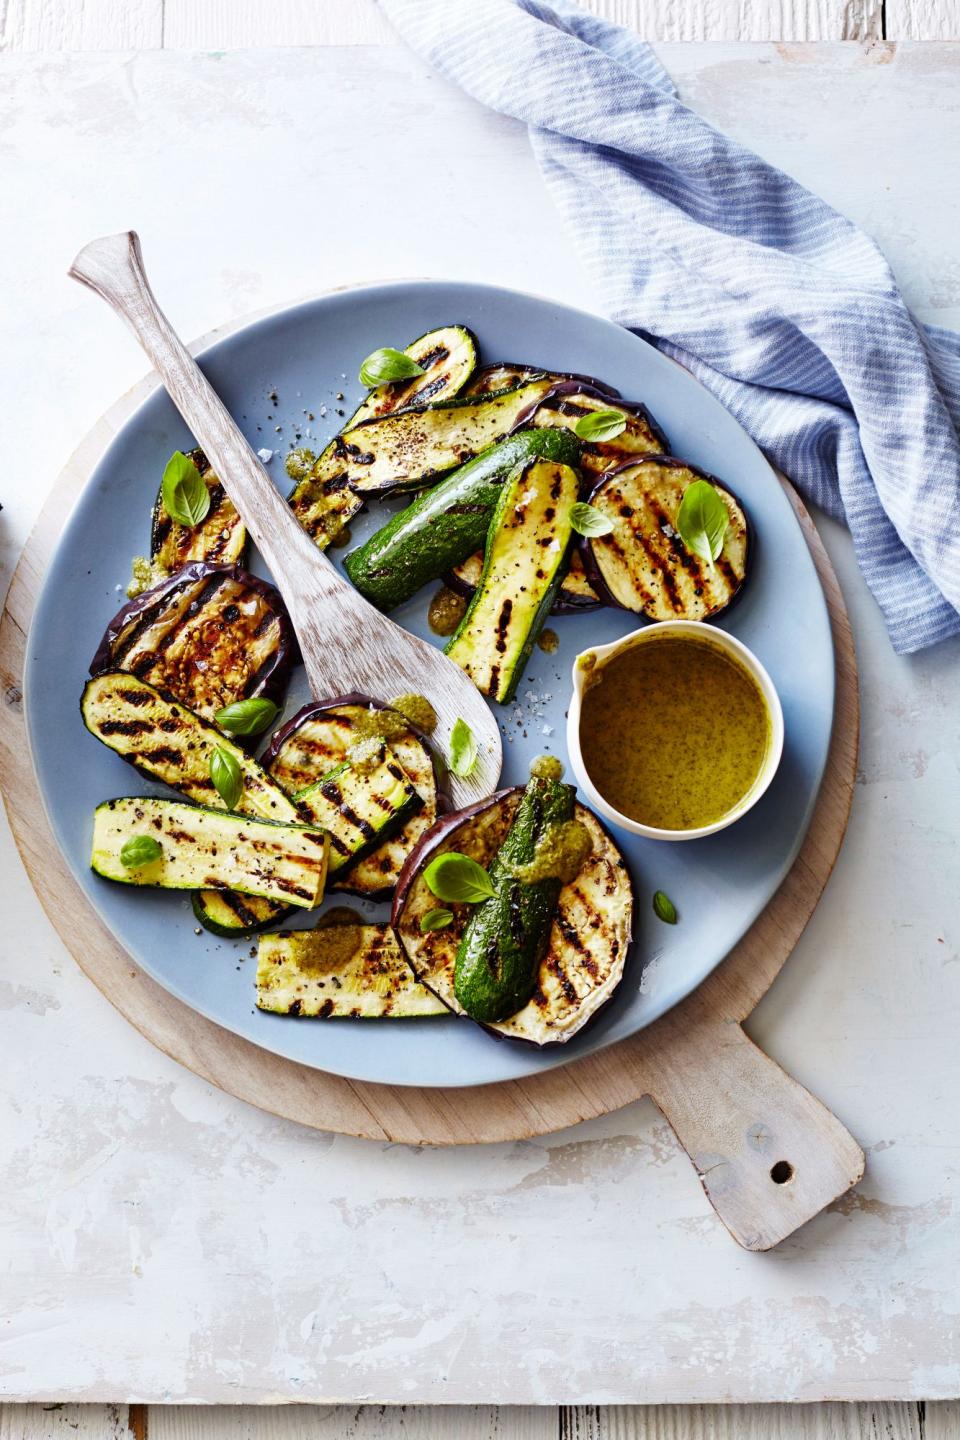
(769,1155)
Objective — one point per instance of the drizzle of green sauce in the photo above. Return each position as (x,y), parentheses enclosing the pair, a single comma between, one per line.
(299,463)
(418,710)
(144,574)
(447,609)
(331,946)
(366,754)
(548,641)
(560,855)
(546,767)
(587,661)
(674,732)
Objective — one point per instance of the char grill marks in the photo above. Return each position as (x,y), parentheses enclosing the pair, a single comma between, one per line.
(209,636)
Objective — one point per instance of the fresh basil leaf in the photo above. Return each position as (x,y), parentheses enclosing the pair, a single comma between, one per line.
(588,520)
(186,498)
(385,365)
(226,776)
(456,877)
(247,717)
(436,920)
(702,520)
(139,850)
(664,908)
(601,425)
(463,749)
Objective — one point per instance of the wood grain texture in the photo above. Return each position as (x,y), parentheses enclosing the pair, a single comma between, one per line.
(922,20)
(81,24)
(735,1110)
(891,1420)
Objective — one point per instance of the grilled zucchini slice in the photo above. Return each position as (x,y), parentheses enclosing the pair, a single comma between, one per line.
(443,525)
(207,635)
(340,972)
(219,539)
(168,742)
(575,594)
(571,401)
(524,564)
(323,502)
(589,937)
(232,915)
(317,739)
(213,849)
(642,564)
(361,803)
(413,448)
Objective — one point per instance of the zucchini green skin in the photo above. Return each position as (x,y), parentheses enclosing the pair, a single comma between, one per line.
(232,915)
(524,564)
(507,935)
(202,848)
(446,524)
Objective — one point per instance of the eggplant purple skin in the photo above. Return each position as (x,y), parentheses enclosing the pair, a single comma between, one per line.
(420,856)
(592,569)
(272,686)
(559,607)
(569,377)
(597,391)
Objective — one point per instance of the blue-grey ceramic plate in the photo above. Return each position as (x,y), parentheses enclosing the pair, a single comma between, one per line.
(305,356)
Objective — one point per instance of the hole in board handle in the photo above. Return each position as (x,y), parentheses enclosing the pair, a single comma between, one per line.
(781,1173)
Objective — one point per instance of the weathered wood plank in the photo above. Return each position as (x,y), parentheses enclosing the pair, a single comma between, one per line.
(865,1421)
(81,24)
(923,20)
(340,1422)
(66,1422)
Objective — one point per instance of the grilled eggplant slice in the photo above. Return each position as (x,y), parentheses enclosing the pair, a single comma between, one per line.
(524,563)
(214,849)
(166,741)
(643,565)
(323,502)
(208,635)
(340,972)
(568,403)
(413,448)
(318,738)
(506,376)
(219,539)
(575,595)
(589,937)
(444,525)
(361,803)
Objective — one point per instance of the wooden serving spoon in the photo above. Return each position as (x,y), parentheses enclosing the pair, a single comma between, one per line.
(346,644)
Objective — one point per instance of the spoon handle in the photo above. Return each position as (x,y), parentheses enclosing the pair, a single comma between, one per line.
(113,267)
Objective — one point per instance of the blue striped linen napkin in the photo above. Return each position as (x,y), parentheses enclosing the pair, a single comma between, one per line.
(784,309)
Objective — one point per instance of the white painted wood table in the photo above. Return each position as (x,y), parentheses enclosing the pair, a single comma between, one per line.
(161,1242)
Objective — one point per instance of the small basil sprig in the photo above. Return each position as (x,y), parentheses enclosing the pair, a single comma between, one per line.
(226,776)
(702,520)
(186,498)
(139,850)
(385,365)
(588,520)
(463,749)
(247,717)
(456,877)
(664,908)
(436,920)
(600,425)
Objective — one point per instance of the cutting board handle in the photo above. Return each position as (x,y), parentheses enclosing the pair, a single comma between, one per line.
(769,1155)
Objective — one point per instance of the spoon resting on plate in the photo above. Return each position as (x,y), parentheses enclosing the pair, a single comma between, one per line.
(346,644)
